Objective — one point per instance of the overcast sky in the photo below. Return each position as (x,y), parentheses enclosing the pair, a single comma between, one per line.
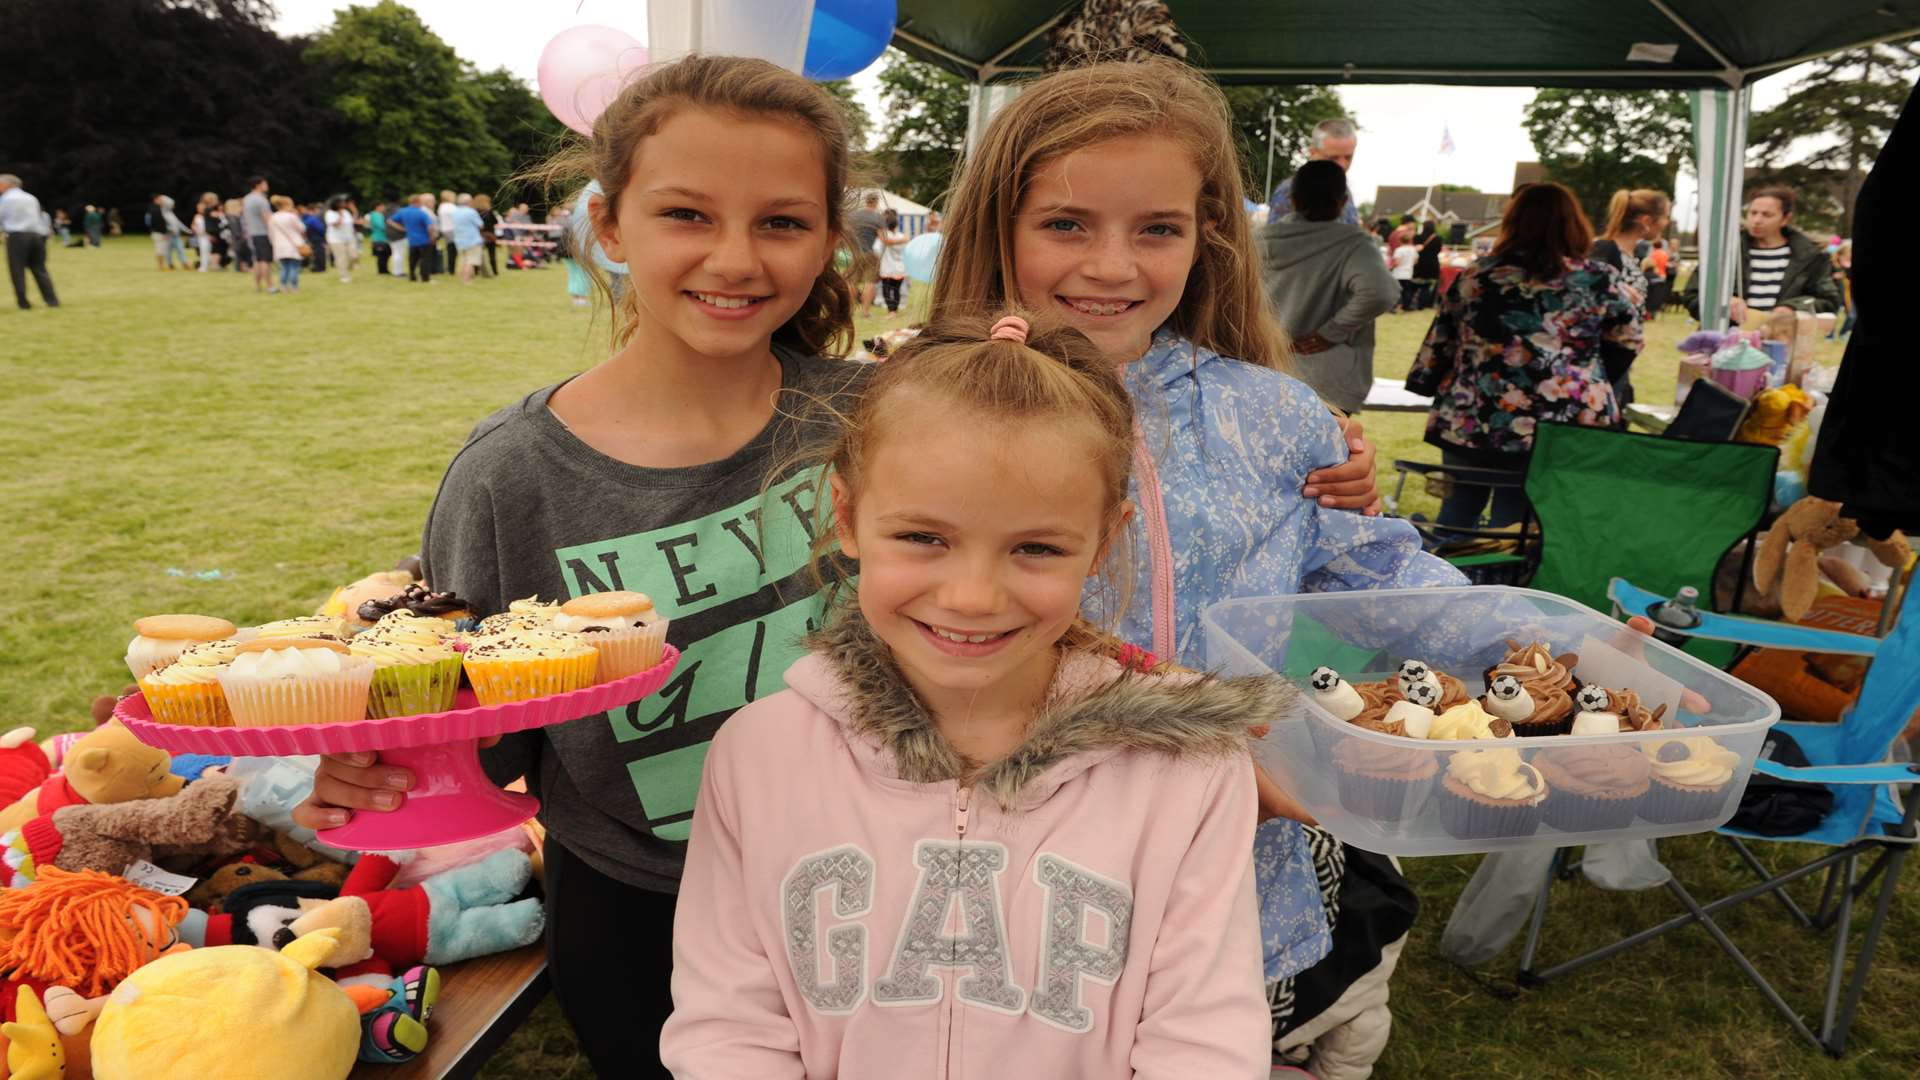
(1400,125)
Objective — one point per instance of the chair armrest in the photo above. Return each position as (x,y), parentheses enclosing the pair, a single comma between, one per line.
(1886,772)
(1741,630)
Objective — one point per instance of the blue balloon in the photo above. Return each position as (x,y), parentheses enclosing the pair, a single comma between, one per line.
(920,254)
(582,225)
(846,36)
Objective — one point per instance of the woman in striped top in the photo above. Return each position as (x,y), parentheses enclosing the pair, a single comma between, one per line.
(1780,266)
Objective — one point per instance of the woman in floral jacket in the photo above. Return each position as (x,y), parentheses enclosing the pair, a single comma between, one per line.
(1535,331)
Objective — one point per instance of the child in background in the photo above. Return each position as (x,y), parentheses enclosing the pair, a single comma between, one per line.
(959,732)
(288,235)
(1110,196)
(646,473)
(893,263)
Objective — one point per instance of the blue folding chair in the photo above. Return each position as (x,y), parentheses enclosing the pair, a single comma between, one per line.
(1870,816)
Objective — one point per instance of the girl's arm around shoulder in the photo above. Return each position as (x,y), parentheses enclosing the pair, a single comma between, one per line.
(1205,1012)
(729,1016)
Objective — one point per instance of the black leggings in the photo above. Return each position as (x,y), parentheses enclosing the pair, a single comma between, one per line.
(610,960)
(890,292)
(420,263)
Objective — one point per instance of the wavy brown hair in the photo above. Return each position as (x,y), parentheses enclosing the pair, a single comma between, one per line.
(1056,377)
(824,324)
(1542,228)
(1224,307)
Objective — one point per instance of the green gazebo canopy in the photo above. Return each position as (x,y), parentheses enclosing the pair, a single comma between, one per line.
(1716,44)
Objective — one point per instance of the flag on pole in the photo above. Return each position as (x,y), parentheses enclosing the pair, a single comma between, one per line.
(1446,140)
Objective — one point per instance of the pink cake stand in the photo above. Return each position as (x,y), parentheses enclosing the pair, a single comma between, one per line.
(451,799)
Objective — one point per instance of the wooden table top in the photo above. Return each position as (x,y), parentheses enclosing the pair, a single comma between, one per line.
(481,1002)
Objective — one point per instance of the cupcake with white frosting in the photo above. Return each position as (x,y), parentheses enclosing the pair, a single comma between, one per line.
(415,669)
(515,664)
(624,626)
(187,691)
(1690,778)
(281,681)
(1490,793)
(159,639)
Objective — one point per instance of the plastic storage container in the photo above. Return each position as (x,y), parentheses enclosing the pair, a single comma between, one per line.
(1389,794)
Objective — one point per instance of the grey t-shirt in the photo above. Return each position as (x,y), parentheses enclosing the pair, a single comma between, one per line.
(866,226)
(526,508)
(254,212)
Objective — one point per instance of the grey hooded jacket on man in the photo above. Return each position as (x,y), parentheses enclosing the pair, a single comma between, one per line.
(1328,278)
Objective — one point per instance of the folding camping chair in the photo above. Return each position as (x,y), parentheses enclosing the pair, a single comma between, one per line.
(1870,816)
(1509,555)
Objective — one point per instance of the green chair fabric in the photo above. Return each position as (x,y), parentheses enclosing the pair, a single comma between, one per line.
(1660,512)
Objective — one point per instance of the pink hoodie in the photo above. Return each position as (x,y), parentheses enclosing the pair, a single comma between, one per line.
(1085,908)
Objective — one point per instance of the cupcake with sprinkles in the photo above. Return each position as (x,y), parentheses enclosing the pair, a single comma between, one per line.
(309,627)
(516,664)
(629,634)
(159,639)
(415,668)
(527,613)
(279,681)
(187,691)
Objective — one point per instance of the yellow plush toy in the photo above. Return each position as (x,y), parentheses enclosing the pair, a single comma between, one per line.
(107,765)
(33,1047)
(231,1012)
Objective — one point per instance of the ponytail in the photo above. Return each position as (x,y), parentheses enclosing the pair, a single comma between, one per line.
(1627,207)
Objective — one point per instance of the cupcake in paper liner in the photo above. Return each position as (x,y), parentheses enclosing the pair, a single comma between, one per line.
(281,681)
(515,665)
(412,673)
(1487,794)
(528,613)
(160,639)
(304,627)
(1384,783)
(1690,776)
(187,691)
(629,634)
(1593,787)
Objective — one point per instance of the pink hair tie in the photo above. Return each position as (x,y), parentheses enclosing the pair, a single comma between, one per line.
(1011,328)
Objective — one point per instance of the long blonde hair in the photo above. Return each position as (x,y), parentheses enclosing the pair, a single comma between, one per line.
(1627,207)
(1224,307)
(1055,376)
(824,324)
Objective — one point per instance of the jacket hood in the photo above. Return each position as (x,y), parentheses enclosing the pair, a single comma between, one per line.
(1294,240)
(1094,710)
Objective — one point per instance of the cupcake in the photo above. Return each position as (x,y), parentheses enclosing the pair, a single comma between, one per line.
(623,626)
(530,613)
(1690,776)
(279,681)
(418,599)
(187,691)
(1610,712)
(158,639)
(1546,706)
(310,627)
(514,664)
(415,670)
(1384,783)
(1490,793)
(1593,787)
(1468,720)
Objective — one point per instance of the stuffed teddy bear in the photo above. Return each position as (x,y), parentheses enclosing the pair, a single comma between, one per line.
(111,836)
(281,858)
(107,765)
(1789,555)
(232,1013)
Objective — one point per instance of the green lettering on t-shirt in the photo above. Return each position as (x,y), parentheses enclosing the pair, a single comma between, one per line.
(732,585)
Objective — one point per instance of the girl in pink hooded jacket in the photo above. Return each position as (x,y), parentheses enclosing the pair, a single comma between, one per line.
(971,839)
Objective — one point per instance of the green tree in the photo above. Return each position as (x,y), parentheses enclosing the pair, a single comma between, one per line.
(416,117)
(926,116)
(515,115)
(1824,137)
(1296,109)
(859,124)
(1598,141)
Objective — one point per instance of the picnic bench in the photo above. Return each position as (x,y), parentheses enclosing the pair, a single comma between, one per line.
(482,1002)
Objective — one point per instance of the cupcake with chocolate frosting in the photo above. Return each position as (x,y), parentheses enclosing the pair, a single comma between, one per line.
(1549,684)
(1593,787)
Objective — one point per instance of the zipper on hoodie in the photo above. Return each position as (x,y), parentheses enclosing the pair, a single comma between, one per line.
(963,795)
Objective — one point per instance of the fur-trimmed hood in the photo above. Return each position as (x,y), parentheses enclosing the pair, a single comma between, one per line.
(1094,710)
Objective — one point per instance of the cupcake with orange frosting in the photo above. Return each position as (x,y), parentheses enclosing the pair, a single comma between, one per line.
(624,626)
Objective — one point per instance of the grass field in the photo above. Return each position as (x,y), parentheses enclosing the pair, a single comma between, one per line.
(165,426)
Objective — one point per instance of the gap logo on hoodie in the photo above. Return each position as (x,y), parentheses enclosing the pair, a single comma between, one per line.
(735,586)
(955,920)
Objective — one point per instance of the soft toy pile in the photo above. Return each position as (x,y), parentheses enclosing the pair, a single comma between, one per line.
(274,945)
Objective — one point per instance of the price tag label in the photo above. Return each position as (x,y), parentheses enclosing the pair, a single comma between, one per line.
(148,876)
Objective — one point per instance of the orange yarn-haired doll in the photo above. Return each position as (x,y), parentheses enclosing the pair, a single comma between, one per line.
(81,929)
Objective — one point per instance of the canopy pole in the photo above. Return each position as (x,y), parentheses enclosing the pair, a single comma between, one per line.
(1729,71)
(992,65)
(1720,148)
(983,101)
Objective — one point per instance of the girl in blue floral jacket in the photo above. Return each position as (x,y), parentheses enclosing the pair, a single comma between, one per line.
(1111,195)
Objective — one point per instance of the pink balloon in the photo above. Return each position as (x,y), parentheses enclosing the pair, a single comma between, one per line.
(583,68)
